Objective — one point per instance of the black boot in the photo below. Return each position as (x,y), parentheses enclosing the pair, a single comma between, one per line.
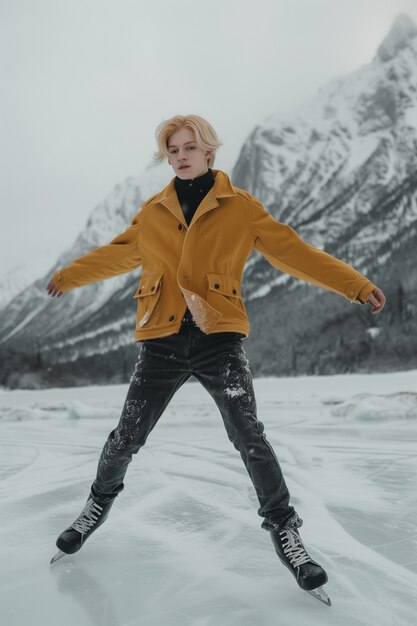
(289,547)
(90,518)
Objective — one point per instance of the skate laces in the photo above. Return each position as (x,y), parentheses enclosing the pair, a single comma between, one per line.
(88,517)
(293,548)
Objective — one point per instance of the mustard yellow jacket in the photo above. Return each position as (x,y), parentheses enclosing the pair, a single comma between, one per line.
(201,265)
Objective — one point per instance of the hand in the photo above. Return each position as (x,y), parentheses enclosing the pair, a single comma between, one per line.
(53,290)
(377,299)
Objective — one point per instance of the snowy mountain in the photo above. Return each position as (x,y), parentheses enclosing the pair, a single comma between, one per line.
(401,32)
(93,319)
(21,277)
(341,171)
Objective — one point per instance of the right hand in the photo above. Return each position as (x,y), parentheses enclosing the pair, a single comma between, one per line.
(53,290)
(377,300)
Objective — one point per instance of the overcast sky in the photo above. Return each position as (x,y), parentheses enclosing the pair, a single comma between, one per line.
(86,82)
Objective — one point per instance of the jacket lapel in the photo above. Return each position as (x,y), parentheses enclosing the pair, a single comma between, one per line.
(222,188)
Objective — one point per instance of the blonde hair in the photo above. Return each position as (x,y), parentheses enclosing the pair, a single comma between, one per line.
(206,136)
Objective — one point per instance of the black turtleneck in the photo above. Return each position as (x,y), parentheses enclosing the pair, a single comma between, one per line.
(191,192)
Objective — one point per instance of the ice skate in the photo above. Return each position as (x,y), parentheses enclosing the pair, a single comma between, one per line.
(74,537)
(310,576)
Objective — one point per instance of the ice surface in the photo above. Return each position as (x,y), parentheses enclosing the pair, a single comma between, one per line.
(183,544)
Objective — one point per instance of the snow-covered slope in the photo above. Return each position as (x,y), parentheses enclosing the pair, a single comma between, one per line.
(32,318)
(341,168)
(14,281)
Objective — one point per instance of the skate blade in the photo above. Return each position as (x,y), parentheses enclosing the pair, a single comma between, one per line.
(57,556)
(321,595)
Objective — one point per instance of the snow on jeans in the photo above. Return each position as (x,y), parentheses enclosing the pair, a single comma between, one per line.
(219,362)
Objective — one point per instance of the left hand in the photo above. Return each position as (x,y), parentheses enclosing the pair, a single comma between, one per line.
(377,299)
(53,290)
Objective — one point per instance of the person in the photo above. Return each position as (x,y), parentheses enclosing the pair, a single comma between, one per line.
(192,240)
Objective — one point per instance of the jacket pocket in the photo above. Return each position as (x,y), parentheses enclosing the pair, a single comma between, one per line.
(147,294)
(225,287)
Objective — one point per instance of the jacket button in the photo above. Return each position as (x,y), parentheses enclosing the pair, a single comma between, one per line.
(180,226)
(153,288)
(140,290)
(234,290)
(172,318)
(217,285)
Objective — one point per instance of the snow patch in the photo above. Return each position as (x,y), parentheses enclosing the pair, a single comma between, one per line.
(379,407)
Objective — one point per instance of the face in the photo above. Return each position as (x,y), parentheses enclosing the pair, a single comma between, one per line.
(184,151)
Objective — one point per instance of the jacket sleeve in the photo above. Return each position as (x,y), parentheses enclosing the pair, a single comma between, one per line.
(288,252)
(121,255)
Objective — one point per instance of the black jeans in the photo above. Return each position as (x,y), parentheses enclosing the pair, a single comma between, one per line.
(218,361)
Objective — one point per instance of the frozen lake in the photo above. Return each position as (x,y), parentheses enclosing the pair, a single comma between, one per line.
(183,545)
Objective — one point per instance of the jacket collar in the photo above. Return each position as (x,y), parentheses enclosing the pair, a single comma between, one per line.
(222,188)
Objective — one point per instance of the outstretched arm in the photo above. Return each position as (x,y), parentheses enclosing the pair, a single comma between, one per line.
(121,255)
(286,250)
